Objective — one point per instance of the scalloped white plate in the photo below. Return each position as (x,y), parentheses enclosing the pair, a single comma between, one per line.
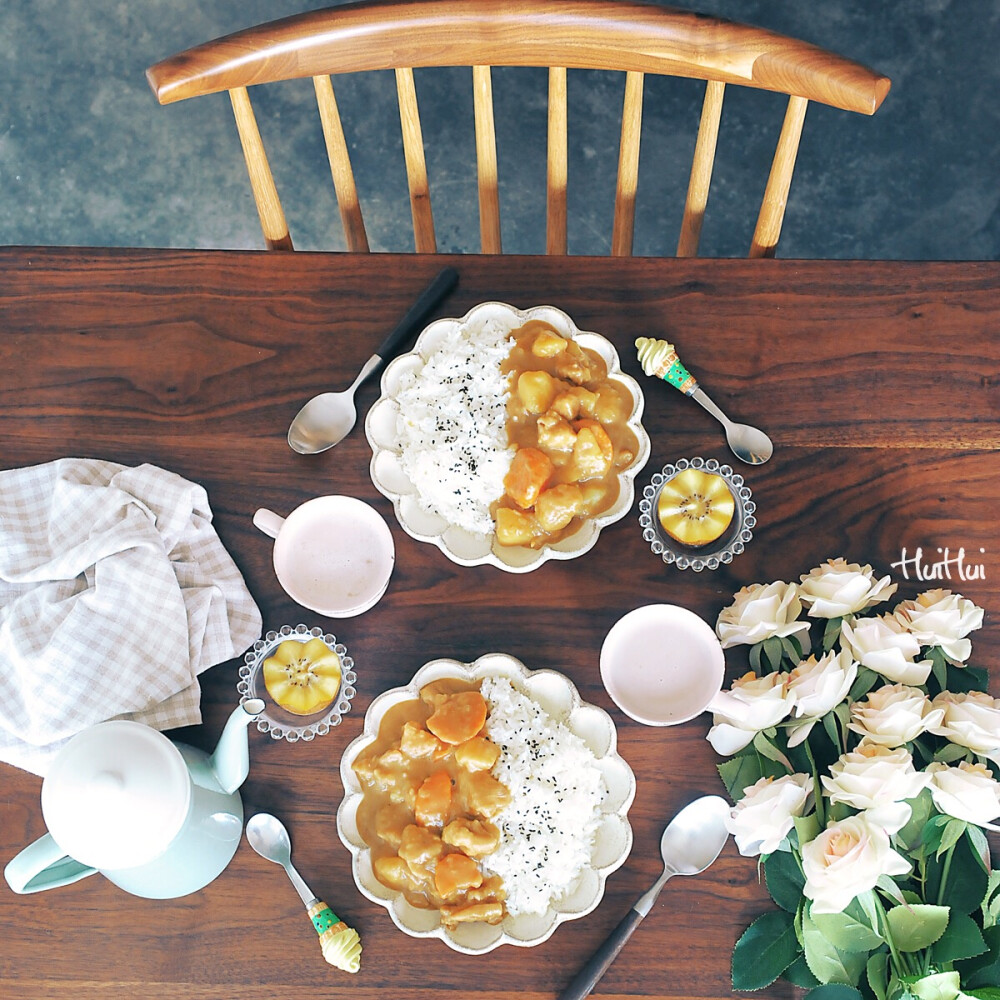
(464,547)
(612,843)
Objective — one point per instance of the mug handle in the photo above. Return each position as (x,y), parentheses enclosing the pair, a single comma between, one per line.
(268,522)
(43,865)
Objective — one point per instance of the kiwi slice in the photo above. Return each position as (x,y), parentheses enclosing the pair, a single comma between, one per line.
(695,507)
(302,677)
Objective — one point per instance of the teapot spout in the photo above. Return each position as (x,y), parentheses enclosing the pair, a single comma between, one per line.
(230,763)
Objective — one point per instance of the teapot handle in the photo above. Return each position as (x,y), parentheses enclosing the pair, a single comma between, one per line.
(44,865)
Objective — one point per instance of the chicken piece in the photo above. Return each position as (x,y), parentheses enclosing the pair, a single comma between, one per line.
(566,404)
(485,796)
(435,692)
(593,452)
(487,913)
(454,874)
(433,801)
(574,365)
(390,821)
(610,408)
(416,742)
(548,344)
(420,848)
(556,507)
(554,432)
(536,390)
(394,872)
(529,471)
(477,754)
(474,837)
(515,527)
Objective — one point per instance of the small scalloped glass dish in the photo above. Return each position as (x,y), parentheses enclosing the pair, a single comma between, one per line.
(277,721)
(465,547)
(558,696)
(729,544)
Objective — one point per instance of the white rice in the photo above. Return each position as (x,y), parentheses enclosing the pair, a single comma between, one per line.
(452,425)
(547,831)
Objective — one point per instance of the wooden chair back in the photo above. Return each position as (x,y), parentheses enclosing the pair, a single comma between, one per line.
(621,35)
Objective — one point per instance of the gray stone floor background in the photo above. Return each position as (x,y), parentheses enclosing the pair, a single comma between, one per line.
(87,157)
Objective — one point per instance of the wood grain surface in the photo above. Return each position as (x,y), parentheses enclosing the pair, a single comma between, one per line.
(878,383)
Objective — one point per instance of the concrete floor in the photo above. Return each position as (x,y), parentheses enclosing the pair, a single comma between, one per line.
(87,157)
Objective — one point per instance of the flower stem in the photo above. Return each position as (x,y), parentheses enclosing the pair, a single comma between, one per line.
(817,787)
(944,875)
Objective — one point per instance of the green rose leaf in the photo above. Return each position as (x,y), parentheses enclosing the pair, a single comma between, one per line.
(827,962)
(937,986)
(986,993)
(918,926)
(739,773)
(834,991)
(877,973)
(784,879)
(980,845)
(766,948)
(846,933)
(863,683)
(983,970)
(831,633)
(798,974)
(962,939)
(953,831)
(772,650)
(965,887)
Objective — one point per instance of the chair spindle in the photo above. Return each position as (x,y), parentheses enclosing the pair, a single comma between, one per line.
(628,167)
(486,160)
(416,167)
(265,194)
(772,209)
(340,166)
(701,169)
(556,178)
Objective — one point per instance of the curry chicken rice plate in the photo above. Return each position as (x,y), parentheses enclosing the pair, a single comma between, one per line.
(485,803)
(508,437)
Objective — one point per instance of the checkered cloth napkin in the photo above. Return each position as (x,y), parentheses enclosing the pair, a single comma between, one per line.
(115,594)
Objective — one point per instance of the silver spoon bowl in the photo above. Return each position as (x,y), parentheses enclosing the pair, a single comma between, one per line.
(269,838)
(748,444)
(329,417)
(693,839)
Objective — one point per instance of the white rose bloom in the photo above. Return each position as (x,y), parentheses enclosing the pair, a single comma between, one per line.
(894,714)
(760,821)
(971,720)
(941,618)
(968,791)
(847,859)
(839,588)
(753,703)
(817,687)
(759,612)
(882,644)
(871,776)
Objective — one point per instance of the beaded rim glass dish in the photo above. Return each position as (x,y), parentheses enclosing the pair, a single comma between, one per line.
(715,554)
(277,721)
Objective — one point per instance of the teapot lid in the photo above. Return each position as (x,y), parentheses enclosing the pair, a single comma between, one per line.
(116,795)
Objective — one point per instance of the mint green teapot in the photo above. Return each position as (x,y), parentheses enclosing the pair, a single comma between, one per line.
(156,818)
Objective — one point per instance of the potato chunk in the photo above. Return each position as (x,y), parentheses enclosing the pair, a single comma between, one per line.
(477,754)
(593,451)
(529,471)
(515,527)
(487,913)
(474,837)
(536,390)
(394,872)
(558,506)
(390,821)
(548,344)
(455,873)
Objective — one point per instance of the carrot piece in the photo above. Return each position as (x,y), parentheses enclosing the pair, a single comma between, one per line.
(529,472)
(459,717)
(455,873)
(433,800)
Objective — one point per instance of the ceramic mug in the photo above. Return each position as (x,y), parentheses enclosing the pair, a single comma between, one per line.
(333,554)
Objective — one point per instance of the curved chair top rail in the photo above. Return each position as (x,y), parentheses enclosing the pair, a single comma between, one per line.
(574,34)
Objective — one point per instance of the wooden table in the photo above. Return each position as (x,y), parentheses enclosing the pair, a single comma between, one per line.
(877,381)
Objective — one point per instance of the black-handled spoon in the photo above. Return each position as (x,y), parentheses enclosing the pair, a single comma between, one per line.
(329,417)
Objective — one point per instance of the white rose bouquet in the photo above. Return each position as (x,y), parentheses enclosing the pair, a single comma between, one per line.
(862,756)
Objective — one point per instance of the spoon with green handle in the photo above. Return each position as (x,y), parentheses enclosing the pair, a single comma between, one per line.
(693,839)
(659,359)
(340,943)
